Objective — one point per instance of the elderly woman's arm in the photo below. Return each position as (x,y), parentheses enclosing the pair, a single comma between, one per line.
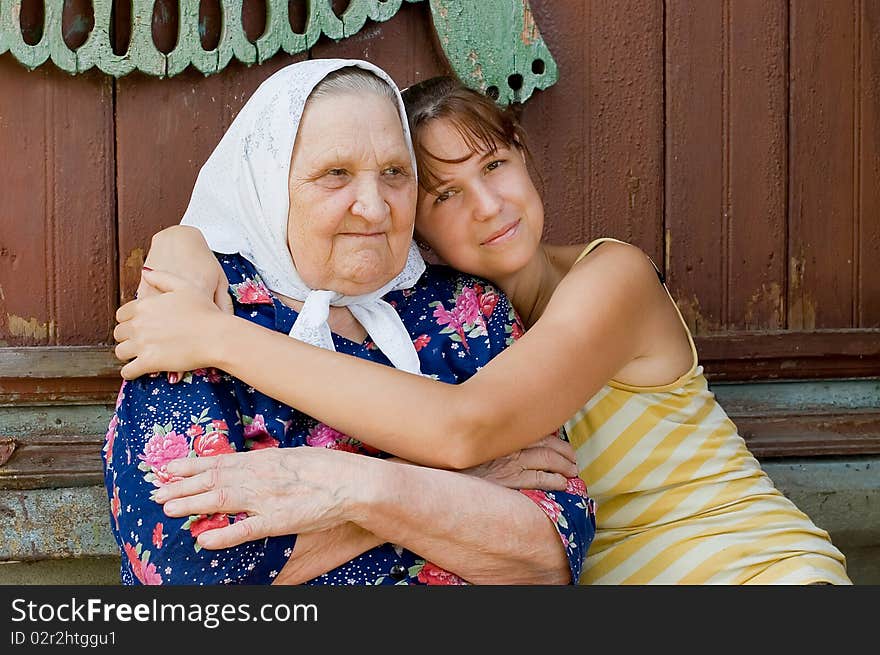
(481,531)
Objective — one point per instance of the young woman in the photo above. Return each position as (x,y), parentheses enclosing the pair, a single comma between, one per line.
(605,353)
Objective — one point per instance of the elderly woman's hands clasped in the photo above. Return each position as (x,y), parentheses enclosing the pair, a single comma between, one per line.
(300,490)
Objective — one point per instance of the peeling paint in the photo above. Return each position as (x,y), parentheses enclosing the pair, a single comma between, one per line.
(802,310)
(135,260)
(767,304)
(529,32)
(692,313)
(30,328)
(2,295)
(632,185)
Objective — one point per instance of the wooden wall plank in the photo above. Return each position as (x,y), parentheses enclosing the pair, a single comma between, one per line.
(822,176)
(166,129)
(868,145)
(57,235)
(405,46)
(556,122)
(696,221)
(624,111)
(756,152)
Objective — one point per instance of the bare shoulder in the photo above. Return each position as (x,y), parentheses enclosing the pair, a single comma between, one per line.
(612,269)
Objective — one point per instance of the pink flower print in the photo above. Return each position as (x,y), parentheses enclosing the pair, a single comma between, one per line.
(432,574)
(109,438)
(488,301)
(467,307)
(421,341)
(260,442)
(576,486)
(550,507)
(210,374)
(121,394)
(252,292)
(162,476)
(212,444)
(115,503)
(323,436)
(256,434)
(256,427)
(162,448)
(219,425)
(146,573)
(158,537)
(195,430)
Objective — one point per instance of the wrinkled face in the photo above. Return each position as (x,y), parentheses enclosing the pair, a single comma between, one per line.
(485,217)
(352,194)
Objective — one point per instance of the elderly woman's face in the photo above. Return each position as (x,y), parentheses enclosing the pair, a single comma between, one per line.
(352,194)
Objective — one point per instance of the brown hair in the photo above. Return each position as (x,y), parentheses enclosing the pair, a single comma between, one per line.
(483,125)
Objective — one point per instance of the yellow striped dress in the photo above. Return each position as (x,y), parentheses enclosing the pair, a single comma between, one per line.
(681,500)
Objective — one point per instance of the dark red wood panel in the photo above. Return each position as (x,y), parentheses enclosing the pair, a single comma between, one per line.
(822,226)
(554,120)
(166,129)
(697,94)
(57,232)
(404,46)
(868,144)
(624,115)
(756,149)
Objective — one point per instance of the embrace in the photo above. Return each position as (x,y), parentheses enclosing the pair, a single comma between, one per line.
(308,402)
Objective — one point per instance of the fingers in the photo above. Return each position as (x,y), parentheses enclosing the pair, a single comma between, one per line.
(126,312)
(189,466)
(553,442)
(188,486)
(135,369)
(547,459)
(222,500)
(164,281)
(234,534)
(546,481)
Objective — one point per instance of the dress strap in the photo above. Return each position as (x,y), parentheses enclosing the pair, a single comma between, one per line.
(598,242)
(695,360)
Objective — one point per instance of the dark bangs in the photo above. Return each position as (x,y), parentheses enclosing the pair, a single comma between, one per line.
(482,125)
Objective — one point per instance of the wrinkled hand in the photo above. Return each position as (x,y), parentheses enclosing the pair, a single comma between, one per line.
(171,331)
(547,465)
(282,491)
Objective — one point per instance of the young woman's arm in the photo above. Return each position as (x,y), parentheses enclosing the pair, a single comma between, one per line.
(603,316)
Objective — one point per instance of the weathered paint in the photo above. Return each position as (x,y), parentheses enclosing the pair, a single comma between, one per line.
(54,523)
(470,33)
(57,210)
(823,214)
(30,329)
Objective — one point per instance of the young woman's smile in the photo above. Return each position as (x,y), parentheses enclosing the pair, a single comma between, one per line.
(485,216)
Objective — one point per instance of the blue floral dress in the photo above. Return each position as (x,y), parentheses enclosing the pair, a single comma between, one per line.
(457,323)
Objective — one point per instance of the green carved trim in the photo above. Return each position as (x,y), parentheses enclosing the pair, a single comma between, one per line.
(488,43)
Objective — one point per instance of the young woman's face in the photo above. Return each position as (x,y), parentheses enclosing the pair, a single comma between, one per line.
(485,217)
(352,194)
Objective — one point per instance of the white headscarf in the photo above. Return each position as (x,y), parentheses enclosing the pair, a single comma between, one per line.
(240,203)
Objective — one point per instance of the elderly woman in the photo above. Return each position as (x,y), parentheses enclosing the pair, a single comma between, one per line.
(309,202)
